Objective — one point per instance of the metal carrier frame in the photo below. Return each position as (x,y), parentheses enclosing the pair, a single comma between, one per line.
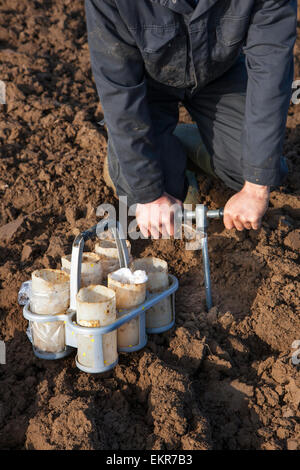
(200,217)
(72,329)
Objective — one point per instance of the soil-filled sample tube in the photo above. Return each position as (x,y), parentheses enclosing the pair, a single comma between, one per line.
(157,271)
(108,252)
(91,268)
(130,288)
(96,307)
(50,295)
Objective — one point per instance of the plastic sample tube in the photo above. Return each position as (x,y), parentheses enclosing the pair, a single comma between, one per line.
(108,252)
(96,307)
(50,295)
(130,292)
(91,268)
(158,280)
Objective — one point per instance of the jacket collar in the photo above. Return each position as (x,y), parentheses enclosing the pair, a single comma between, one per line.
(184,7)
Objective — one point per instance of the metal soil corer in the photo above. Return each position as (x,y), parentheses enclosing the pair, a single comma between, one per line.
(200,216)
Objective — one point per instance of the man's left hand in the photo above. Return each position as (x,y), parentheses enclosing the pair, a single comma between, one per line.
(246,208)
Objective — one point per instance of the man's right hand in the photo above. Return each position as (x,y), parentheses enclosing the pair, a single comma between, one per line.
(156,218)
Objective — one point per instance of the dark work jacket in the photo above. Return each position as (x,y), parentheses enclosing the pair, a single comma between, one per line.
(187,47)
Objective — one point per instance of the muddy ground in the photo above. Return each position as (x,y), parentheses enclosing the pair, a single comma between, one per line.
(222,379)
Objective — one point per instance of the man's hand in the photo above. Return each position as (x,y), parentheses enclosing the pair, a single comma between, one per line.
(246,208)
(157,218)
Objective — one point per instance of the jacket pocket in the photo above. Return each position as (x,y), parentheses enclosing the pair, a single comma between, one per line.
(232,30)
(164,49)
(230,35)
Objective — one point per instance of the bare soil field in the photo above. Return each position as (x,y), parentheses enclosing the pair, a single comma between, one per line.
(218,380)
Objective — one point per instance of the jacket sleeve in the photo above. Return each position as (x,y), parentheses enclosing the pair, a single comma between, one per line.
(269,61)
(118,70)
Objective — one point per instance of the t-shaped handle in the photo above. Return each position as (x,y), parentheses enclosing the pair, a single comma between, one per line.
(77,250)
(201,215)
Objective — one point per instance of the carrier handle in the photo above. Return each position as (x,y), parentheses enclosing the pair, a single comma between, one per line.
(77,250)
